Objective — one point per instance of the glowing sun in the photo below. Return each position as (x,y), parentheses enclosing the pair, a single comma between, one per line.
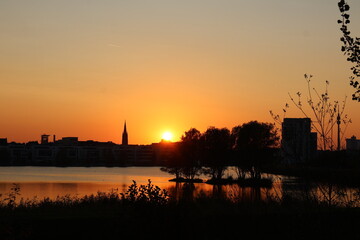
(167,136)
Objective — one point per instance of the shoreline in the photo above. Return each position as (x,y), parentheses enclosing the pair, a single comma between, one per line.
(340,176)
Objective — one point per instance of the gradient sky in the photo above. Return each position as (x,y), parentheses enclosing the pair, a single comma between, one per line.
(83,67)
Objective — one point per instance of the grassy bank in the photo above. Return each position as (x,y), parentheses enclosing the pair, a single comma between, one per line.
(205,220)
(148,212)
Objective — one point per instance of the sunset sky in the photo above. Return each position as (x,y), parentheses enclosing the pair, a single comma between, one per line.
(82,67)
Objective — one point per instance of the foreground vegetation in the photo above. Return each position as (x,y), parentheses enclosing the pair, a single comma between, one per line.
(148,211)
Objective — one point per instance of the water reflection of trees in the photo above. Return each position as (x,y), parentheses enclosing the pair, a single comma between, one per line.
(283,192)
(328,193)
(237,193)
(233,192)
(182,191)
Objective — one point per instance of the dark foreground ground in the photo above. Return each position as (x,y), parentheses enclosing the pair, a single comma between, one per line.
(147,212)
(207,219)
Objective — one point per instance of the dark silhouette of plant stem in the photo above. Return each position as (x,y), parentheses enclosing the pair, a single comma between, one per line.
(323,113)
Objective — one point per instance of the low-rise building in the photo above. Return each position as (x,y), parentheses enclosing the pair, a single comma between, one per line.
(352,144)
(353,148)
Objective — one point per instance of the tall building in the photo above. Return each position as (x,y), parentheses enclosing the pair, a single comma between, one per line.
(125,136)
(298,143)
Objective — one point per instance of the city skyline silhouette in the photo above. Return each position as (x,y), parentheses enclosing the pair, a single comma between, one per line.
(81,68)
(179,119)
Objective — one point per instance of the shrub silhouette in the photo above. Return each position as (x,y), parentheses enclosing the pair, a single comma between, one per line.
(10,200)
(145,194)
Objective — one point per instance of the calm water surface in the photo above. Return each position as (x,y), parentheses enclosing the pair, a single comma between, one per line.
(76,181)
(51,182)
(41,182)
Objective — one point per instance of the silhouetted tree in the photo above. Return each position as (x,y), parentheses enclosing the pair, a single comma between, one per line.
(184,160)
(350,47)
(173,161)
(251,142)
(322,110)
(190,153)
(216,146)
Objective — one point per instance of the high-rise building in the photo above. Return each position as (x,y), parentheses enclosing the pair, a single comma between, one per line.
(299,144)
(125,136)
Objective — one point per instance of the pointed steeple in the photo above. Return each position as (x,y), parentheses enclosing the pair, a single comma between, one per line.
(125,136)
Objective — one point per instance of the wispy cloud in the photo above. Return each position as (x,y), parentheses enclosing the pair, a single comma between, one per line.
(114,45)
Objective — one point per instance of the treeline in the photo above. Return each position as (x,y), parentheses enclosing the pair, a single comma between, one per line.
(248,147)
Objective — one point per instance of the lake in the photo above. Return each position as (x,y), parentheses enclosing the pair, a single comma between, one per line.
(51,182)
(41,182)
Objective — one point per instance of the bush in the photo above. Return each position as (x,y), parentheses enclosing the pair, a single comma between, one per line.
(148,194)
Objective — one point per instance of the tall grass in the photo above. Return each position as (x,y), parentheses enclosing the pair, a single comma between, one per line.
(143,194)
(147,211)
(329,195)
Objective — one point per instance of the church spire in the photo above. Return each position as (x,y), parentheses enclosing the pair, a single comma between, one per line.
(125,136)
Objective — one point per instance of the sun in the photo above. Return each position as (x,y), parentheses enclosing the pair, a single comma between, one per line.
(167,136)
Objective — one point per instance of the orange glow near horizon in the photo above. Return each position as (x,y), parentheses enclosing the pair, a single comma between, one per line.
(167,136)
(163,65)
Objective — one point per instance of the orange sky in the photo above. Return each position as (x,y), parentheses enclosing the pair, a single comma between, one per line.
(81,68)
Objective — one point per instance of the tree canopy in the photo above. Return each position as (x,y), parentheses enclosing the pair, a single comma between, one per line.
(254,136)
(350,47)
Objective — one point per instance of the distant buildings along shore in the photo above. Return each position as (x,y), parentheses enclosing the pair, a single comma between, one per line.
(298,145)
(69,151)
